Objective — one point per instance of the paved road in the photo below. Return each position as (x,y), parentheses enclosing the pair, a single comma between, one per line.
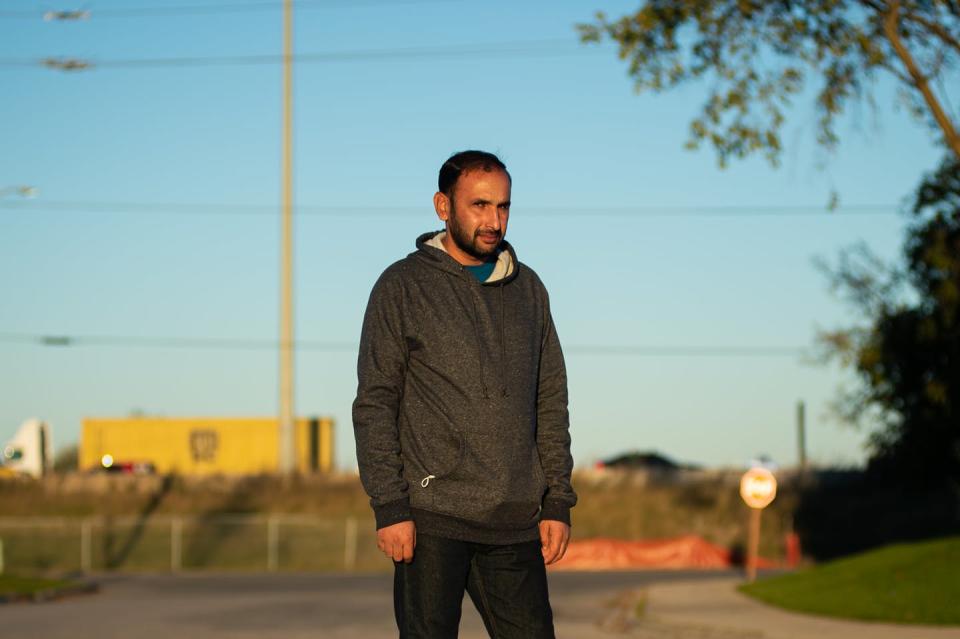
(295,606)
(678,605)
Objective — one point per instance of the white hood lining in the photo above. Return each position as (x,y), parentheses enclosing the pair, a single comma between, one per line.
(503,268)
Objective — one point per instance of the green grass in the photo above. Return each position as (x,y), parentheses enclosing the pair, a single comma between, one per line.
(10,585)
(905,583)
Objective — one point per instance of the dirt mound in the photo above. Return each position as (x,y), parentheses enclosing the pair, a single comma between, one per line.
(689,551)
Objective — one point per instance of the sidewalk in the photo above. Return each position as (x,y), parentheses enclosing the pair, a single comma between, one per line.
(713,609)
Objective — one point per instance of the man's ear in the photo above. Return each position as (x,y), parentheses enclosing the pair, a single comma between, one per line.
(441,204)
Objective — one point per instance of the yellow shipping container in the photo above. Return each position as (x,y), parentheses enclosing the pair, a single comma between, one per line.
(204,445)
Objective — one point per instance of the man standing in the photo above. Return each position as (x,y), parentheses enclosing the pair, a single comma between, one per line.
(461,419)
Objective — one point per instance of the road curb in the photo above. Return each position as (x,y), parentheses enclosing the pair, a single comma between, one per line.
(52,594)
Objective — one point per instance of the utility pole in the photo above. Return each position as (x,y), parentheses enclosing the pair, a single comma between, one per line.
(22,190)
(66,64)
(801,437)
(286,429)
(78,14)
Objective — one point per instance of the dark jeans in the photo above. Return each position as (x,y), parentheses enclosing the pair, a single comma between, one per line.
(508,585)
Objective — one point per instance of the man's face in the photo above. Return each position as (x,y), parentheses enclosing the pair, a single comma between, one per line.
(476,215)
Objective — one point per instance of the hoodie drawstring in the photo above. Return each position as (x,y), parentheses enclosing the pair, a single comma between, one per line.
(476,330)
(503,345)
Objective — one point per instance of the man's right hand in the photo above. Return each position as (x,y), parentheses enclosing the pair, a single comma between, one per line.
(398,541)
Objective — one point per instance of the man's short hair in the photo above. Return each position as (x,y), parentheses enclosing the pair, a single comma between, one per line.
(464,162)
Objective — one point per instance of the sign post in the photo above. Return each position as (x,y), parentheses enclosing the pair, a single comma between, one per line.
(758,487)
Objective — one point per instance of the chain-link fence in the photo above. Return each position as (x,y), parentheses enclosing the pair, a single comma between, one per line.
(183,543)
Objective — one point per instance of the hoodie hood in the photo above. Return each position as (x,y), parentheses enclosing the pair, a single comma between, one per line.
(431,247)
(432,251)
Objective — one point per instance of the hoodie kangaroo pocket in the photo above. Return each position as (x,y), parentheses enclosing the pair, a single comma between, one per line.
(435,451)
(498,482)
(538,467)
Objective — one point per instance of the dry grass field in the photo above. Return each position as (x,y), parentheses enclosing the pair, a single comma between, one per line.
(224,521)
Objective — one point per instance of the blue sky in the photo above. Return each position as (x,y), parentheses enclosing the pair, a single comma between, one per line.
(640,242)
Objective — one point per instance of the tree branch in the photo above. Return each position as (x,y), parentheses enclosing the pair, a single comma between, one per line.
(936,29)
(891,29)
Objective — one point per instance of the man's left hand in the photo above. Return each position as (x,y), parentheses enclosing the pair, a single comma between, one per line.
(554,537)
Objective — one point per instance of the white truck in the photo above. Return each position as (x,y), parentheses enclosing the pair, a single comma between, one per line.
(30,452)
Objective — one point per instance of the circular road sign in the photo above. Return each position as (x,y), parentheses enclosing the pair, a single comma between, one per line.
(758,487)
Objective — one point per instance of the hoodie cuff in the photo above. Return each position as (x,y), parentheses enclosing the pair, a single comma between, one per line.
(392,513)
(555,511)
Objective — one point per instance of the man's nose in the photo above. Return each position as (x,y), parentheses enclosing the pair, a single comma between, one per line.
(493,219)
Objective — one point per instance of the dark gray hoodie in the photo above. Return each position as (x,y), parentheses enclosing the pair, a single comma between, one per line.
(461,419)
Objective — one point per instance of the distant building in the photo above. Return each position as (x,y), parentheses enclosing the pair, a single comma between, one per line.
(650,461)
(202,445)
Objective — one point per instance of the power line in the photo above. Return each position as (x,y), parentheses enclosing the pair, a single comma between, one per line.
(213,343)
(236,344)
(212,9)
(529,48)
(685,351)
(221,208)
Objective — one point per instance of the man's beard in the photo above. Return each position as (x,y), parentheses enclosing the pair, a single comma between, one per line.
(468,243)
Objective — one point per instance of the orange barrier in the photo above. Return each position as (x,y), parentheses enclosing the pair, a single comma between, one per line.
(687,552)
